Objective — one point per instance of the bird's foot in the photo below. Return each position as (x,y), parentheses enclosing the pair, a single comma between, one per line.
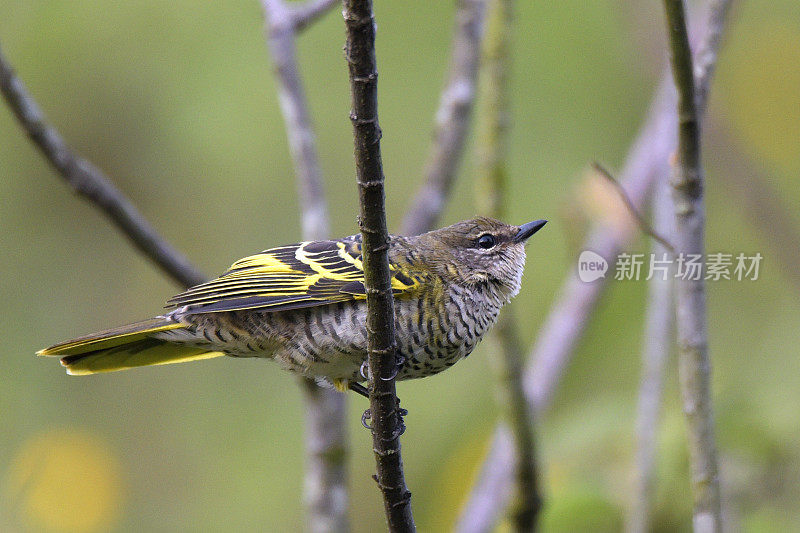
(367,415)
(401,425)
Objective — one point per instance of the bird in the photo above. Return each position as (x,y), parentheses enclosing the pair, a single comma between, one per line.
(304,306)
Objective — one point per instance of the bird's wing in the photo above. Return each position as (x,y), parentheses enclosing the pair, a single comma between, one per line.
(289,277)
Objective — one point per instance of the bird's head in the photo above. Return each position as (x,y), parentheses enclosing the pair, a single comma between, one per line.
(480,251)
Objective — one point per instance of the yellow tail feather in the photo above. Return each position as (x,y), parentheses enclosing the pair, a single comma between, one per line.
(125,347)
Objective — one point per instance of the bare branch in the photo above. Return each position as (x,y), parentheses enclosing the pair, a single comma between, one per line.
(687,181)
(647,161)
(570,314)
(326,458)
(89,181)
(644,225)
(658,340)
(705,60)
(302,141)
(326,429)
(384,405)
(452,120)
(491,199)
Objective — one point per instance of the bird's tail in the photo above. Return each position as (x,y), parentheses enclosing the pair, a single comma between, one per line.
(125,347)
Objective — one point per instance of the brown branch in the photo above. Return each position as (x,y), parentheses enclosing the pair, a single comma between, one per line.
(384,405)
(694,364)
(644,225)
(89,181)
(491,199)
(452,120)
(326,429)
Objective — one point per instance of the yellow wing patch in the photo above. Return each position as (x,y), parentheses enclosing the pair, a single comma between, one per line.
(307,274)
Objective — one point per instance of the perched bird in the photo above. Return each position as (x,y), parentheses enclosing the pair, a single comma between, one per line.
(304,306)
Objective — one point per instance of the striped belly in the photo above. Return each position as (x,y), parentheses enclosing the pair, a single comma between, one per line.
(329,342)
(434,337)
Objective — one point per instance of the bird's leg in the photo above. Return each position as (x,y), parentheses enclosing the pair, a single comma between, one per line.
(363,391)
(359,389)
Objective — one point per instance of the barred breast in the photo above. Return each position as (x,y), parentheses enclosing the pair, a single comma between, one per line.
(329,342)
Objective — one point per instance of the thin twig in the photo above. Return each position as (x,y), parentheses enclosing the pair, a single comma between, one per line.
(658,341)
(452,120)
(326,431)
(384,405)
(694,363)
(307,13)
(644,225)
(89,181)
(491,198)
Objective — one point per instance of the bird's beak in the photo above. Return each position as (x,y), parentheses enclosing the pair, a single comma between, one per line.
(526,230)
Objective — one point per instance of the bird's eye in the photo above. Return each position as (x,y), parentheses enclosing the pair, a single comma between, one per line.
(486,241)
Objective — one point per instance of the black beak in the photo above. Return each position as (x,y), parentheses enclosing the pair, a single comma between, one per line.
(526,230)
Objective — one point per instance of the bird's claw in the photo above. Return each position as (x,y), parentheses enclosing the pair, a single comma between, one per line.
(401,425)
(399,362)
(398,430)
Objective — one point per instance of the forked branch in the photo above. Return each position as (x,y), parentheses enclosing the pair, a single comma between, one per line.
(326,429)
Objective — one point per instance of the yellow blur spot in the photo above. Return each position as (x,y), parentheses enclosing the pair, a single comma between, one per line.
(758,86)
(64,481)
(600,200)
(456,476)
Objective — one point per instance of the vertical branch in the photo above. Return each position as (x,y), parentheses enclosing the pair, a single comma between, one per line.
(655,352)
(492,192)
(694,363)
(384,408)
(568,318)
(326,458)
(326,434)
(525,496)
(90,182)
(452,120)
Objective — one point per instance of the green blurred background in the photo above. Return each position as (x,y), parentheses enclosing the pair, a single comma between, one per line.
(176,102)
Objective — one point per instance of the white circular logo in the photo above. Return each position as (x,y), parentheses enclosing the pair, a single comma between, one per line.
(591,266)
